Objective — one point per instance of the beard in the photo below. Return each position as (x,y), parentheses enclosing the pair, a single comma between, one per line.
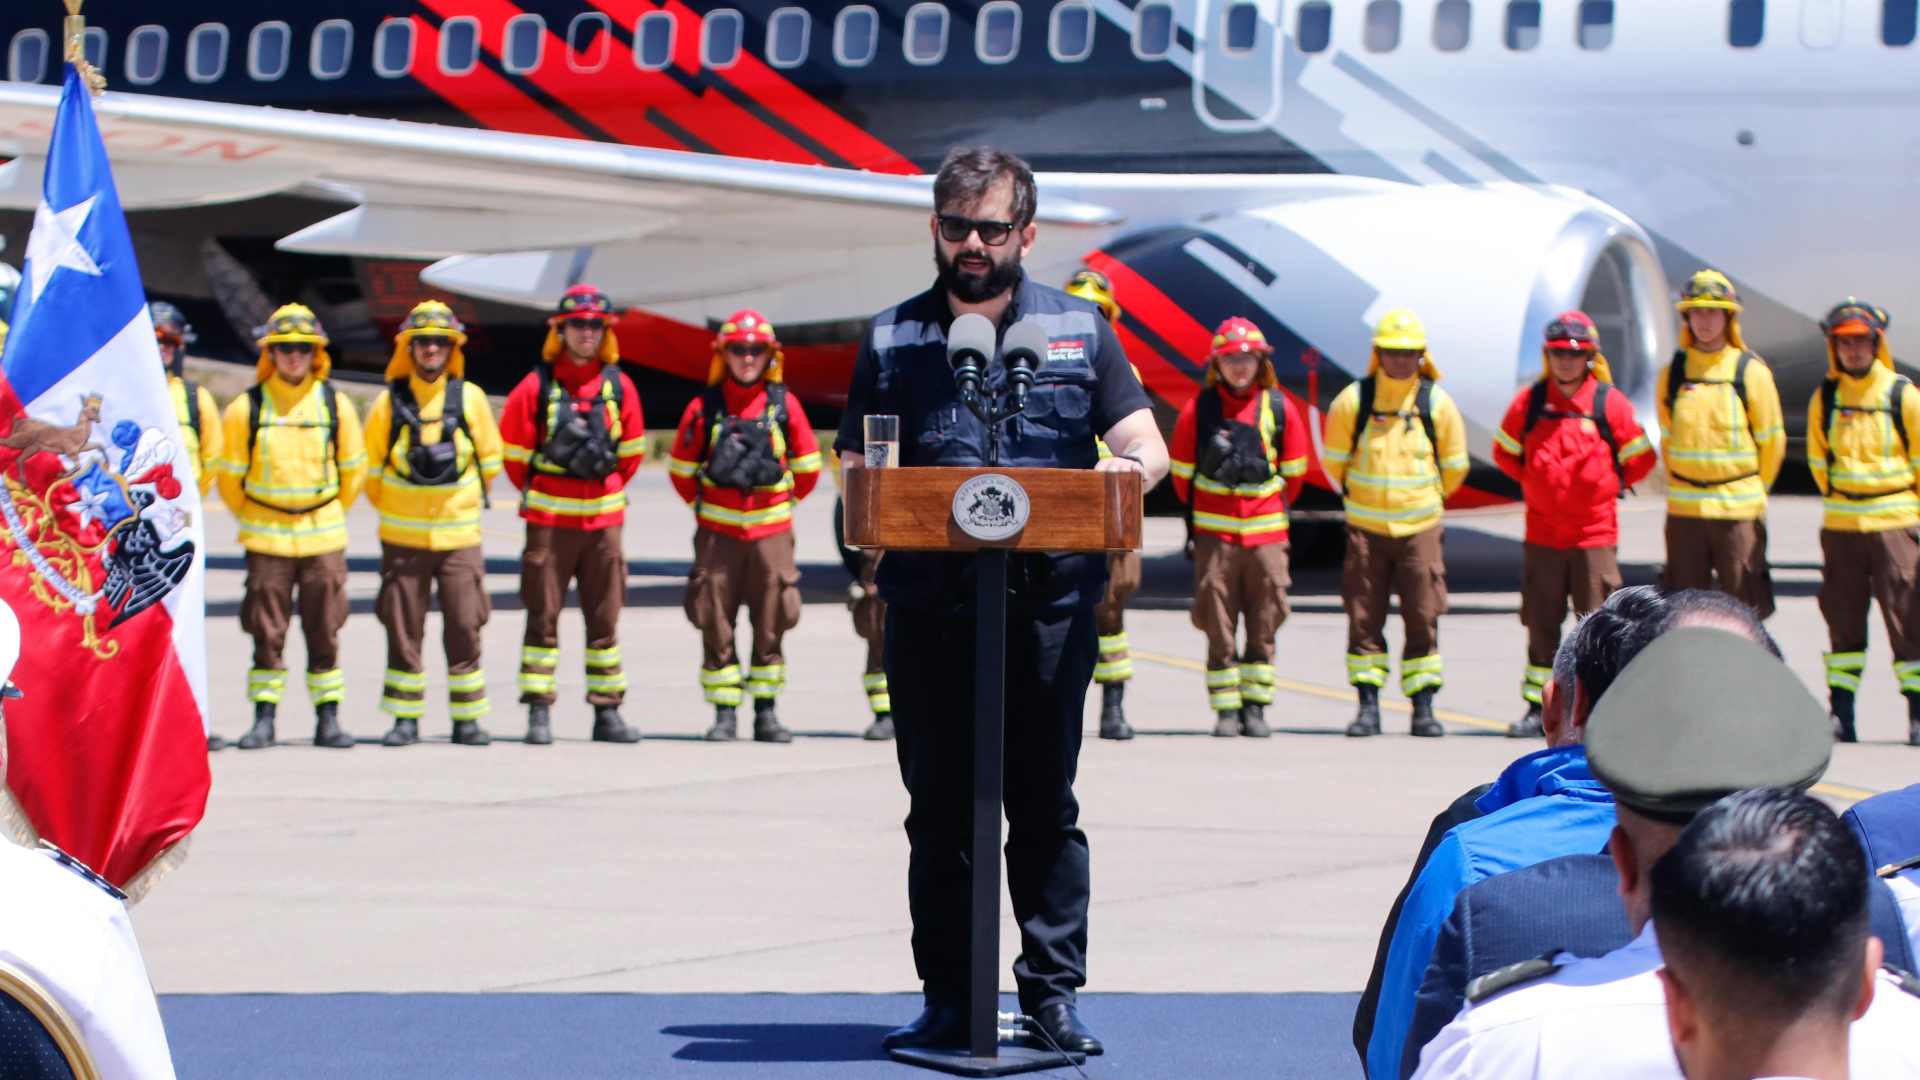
(973,287)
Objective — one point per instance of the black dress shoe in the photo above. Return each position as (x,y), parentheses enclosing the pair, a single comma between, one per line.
(1061,1021)
(937,1026)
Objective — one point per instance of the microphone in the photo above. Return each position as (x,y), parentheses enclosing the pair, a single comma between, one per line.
(1025,348)
(969,345)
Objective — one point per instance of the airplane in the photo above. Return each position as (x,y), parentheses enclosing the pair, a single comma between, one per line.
(1306,163)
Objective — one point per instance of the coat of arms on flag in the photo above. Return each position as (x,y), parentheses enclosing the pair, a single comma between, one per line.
(101,553)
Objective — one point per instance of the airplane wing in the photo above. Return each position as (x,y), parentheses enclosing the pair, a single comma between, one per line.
(515,217)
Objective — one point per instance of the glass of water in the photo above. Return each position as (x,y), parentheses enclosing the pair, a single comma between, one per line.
(883,441)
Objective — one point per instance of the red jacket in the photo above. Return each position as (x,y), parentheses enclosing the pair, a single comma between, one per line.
(563,501)
(744,515)
(1253,514)
(1566,470)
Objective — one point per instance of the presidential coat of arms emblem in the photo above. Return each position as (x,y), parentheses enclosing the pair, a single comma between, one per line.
(94,522)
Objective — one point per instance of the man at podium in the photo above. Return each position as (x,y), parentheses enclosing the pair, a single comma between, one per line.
(1083,388)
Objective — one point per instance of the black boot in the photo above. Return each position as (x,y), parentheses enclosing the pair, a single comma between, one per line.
(1528,726)
(261,733)
(1113,713)
(1913,719)
(1253,720)
(608,727)
(1840,711)
(1367,720)
(326,727)
(216,742)
(726,727)
(1424,725)
(881,730)
(767,726)
(406,732)
(470,733)
(539,725)
(1226,723)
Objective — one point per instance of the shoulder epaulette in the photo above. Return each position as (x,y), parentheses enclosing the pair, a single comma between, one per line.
(1903,978)
(81,869)
(1894,868)
(1511,976)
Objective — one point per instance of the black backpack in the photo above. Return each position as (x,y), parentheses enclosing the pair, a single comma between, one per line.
(193,405)
(1363,417)
(1537,409)
(1677,377)
(584,445)
(1891,408)
(330,400)
(432,463)
(740,454)
(1229,451)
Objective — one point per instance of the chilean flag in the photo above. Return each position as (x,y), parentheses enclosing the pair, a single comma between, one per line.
(102,552)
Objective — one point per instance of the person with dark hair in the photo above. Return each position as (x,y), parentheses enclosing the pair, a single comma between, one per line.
(1760,910)
(981,227)
(1700,714)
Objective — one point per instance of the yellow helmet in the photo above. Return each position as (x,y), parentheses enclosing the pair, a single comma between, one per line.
(429,318)
(1400,329)
(293,324)
(1092,285)
(1708,289)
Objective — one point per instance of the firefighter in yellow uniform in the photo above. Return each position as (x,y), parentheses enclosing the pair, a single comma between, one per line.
(293,462)
(1723,440)
(1397,448)
(430,467)
(1861,424)
(1115,667)
(193,404)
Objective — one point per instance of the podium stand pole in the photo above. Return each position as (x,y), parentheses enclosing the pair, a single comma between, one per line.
(989,742)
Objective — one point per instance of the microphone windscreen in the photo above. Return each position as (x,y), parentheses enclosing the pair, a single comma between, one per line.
(1025,344)
(970,336)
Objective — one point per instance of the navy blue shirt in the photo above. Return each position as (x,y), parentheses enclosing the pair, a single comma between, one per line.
(1082,387)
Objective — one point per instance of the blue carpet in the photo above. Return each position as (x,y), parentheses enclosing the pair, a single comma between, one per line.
(718,1036)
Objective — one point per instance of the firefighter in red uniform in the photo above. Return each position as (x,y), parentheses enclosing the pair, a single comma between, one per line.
(1574,444)
(743,456)
(574,438)
(1239,451)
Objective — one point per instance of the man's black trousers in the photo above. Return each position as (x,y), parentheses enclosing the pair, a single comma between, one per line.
(930,673)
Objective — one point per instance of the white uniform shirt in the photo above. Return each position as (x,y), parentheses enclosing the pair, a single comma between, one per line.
(1605,1018)
(75,939)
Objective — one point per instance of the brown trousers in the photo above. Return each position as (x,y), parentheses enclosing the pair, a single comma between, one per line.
(870,622)
(1232,583)
(1110,618)
(553,559)
(1699,550)
(1375,568)
(1863,567)
(267,609)
(1549,579)
(409,577)
(758,574)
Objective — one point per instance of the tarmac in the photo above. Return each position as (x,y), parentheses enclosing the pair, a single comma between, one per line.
(1221,866)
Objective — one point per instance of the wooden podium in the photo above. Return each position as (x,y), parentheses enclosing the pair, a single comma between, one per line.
(990,512)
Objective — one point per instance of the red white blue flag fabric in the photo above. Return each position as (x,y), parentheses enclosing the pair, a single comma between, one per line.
(101,541)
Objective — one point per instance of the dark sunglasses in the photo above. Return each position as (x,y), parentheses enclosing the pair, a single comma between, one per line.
(432,342)
(585,324)
(292,347)
(954,229)
(742,349)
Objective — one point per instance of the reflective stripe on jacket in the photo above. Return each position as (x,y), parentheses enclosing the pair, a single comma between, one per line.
(1396,482)
(1709,437)
(204,446)
(1566,469)
(569,502)
(433,517)
(1868,458)
(1246,514)
(744,515)
(290,466)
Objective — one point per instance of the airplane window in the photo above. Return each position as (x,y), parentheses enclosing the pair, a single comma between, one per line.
(1240,26)
(788,32)
(1596,24)
(1152,30)
(1313,26)
(207,53)
(1452,24)
(1070,38)
(653,41)
(997,36)
(1382,30)
(1523,24)
(95,44)
(589,42)
(526,42)
(146,55)
(459,45)
(856,31)
(393,48)
(332,49)
(267,49)
(720,38)
(27,56)
(926,36)
(1898,21)
(1746,23)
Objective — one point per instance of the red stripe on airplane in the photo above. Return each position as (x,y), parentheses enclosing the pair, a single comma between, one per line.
(1152,307)
(1162,379)
(492,101)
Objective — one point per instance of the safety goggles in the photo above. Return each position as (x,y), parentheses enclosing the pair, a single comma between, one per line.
(1089,279)
(431,320)
(1709,289)
(955,229)
(585,302)
(745,349)
(294,324)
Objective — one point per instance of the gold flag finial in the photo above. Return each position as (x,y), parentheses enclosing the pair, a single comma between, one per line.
(76,33)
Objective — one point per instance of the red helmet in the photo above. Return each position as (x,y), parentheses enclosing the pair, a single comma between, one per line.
(1574,331)
(1238,335)
(746,327)
(582,302)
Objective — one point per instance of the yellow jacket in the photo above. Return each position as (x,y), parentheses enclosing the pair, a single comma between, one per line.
(1395,480)
(290,495)
(436,517)
(203,446)
(1868,459)
(1707,437)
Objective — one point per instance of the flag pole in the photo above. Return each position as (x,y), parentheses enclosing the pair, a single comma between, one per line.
(76,33)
